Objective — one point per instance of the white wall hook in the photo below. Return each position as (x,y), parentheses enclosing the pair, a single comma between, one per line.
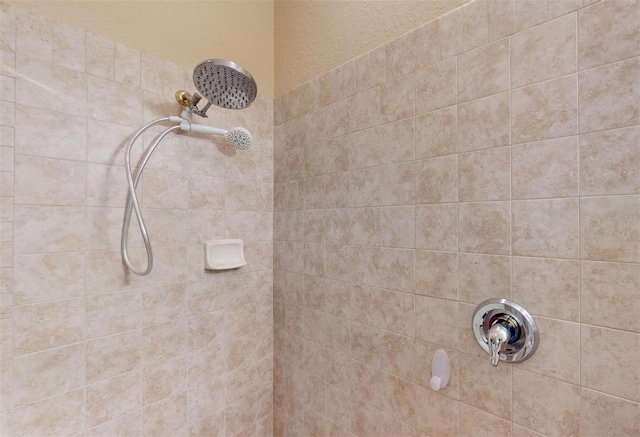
(440,369)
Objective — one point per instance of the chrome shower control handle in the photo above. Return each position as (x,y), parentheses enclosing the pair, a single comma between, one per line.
(504,330)
(498,337)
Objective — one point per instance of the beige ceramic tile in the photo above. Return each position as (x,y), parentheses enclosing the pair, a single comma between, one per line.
(608,96)
(111,398)
(481,277)
(545,169)
(484,175)
(47,325)
(45,374)
(436,414)
(544,52)
(107,357)
(436,133)
(165,416)
(608,162)
(607,361)
(486,387)
(364,148)
(558,356)
(474,422)
(398,355)
(606,415)
(529,13)
(397,184)
(484,123)
(41,181)
(397,315)
(100,56)
(61,415)
(34,35)
(39,132)
(547,287)
(397,142)
(607,33)
(546,405)
(437,180)
(397,99)
(370,69)
(609,228)
(502,19)
(128,423)
(112,313)
(484,227)
(364,109)
(40,278)
(364,227)
(464,28)
(545,110)
(104,102)
(436,321)
(608,292)
(68,46)
(366,344)
(429,43)
(484,71)
(437,227)
(402,55)
(435,86)
(547,228)
(436,274)
(397,226)
(127,65)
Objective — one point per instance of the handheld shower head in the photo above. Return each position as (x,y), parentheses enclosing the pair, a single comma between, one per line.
(225,84)
(239,137)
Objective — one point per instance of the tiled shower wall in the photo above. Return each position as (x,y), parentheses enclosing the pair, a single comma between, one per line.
(493,152)
(87,348)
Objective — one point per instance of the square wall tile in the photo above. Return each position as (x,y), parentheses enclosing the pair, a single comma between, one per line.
(609,228)
(545,110)
(546,405)
(608,360)
(609,161)
(547,287)
(607,32)
(544,52)
(483,71)
(484,175)
(437,180)
(435,86)
(545,169)
(484,123)
(603,414)
(608,96)
(608,294)
(485,227)
(436,133)
(547,228)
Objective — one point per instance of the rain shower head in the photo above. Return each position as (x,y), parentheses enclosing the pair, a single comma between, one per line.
(225,84)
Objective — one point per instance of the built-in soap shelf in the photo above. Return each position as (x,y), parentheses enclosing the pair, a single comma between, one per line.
(224,254)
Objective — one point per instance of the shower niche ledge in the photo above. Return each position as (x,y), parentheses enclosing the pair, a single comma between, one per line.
(224,254)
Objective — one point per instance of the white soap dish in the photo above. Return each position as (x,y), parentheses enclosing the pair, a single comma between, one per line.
(224,254)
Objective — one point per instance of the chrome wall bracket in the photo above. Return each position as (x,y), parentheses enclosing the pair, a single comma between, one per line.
(505,330)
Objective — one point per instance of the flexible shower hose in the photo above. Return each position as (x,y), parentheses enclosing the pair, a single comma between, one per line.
(132,202)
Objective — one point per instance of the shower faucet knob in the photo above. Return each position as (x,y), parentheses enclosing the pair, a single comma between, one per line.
(498,337)
(505,330)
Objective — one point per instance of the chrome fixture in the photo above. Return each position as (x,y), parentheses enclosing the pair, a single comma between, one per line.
(223,83)
(505,330)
